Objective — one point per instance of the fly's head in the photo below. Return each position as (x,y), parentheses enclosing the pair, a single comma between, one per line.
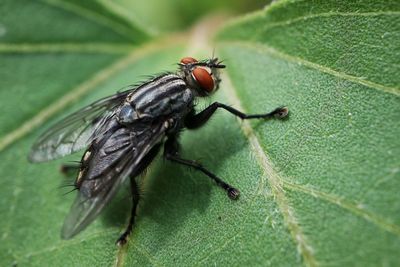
(202,76)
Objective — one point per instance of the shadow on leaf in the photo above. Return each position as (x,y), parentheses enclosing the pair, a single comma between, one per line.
(171,193)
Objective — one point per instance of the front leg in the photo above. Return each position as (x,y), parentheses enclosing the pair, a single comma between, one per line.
(194,121)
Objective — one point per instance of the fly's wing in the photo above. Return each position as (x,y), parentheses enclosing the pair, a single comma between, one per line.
(77,130)
(111,160)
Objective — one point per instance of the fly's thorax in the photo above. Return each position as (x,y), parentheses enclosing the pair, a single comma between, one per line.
(166,95)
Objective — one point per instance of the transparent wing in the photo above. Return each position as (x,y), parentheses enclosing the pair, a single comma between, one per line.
(110,163)
(77,130)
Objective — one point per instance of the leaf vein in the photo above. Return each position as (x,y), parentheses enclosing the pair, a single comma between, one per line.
(93,16)
(345,204)
(330,14)
(126,13)
(272,51)
(221,247)
(66,244)
(148,256)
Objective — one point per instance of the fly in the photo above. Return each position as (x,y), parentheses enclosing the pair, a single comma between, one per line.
(123,133)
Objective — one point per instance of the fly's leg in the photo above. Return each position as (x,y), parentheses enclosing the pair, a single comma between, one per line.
(135,192)
(194,121)
(135,200)
(232,192)
(171,152)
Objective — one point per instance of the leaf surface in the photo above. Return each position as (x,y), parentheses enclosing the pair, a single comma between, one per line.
(336,160)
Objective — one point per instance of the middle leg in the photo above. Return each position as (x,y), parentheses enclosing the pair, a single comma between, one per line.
(171,152)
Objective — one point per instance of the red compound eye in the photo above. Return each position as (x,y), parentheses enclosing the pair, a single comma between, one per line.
(188,60)
(204,79)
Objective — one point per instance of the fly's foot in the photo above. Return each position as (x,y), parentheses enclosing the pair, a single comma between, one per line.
(281,112)
(233,193)
(123,239)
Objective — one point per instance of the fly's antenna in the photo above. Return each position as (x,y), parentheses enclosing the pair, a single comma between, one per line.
(218,64)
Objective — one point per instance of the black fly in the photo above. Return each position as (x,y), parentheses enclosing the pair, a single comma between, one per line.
(123,133)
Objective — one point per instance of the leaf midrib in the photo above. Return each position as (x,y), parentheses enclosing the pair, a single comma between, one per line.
(340,202)
(274,180)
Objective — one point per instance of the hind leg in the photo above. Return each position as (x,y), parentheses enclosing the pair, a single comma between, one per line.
(135,201)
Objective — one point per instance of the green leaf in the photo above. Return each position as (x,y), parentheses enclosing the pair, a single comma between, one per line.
(317,189)
(333,168)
